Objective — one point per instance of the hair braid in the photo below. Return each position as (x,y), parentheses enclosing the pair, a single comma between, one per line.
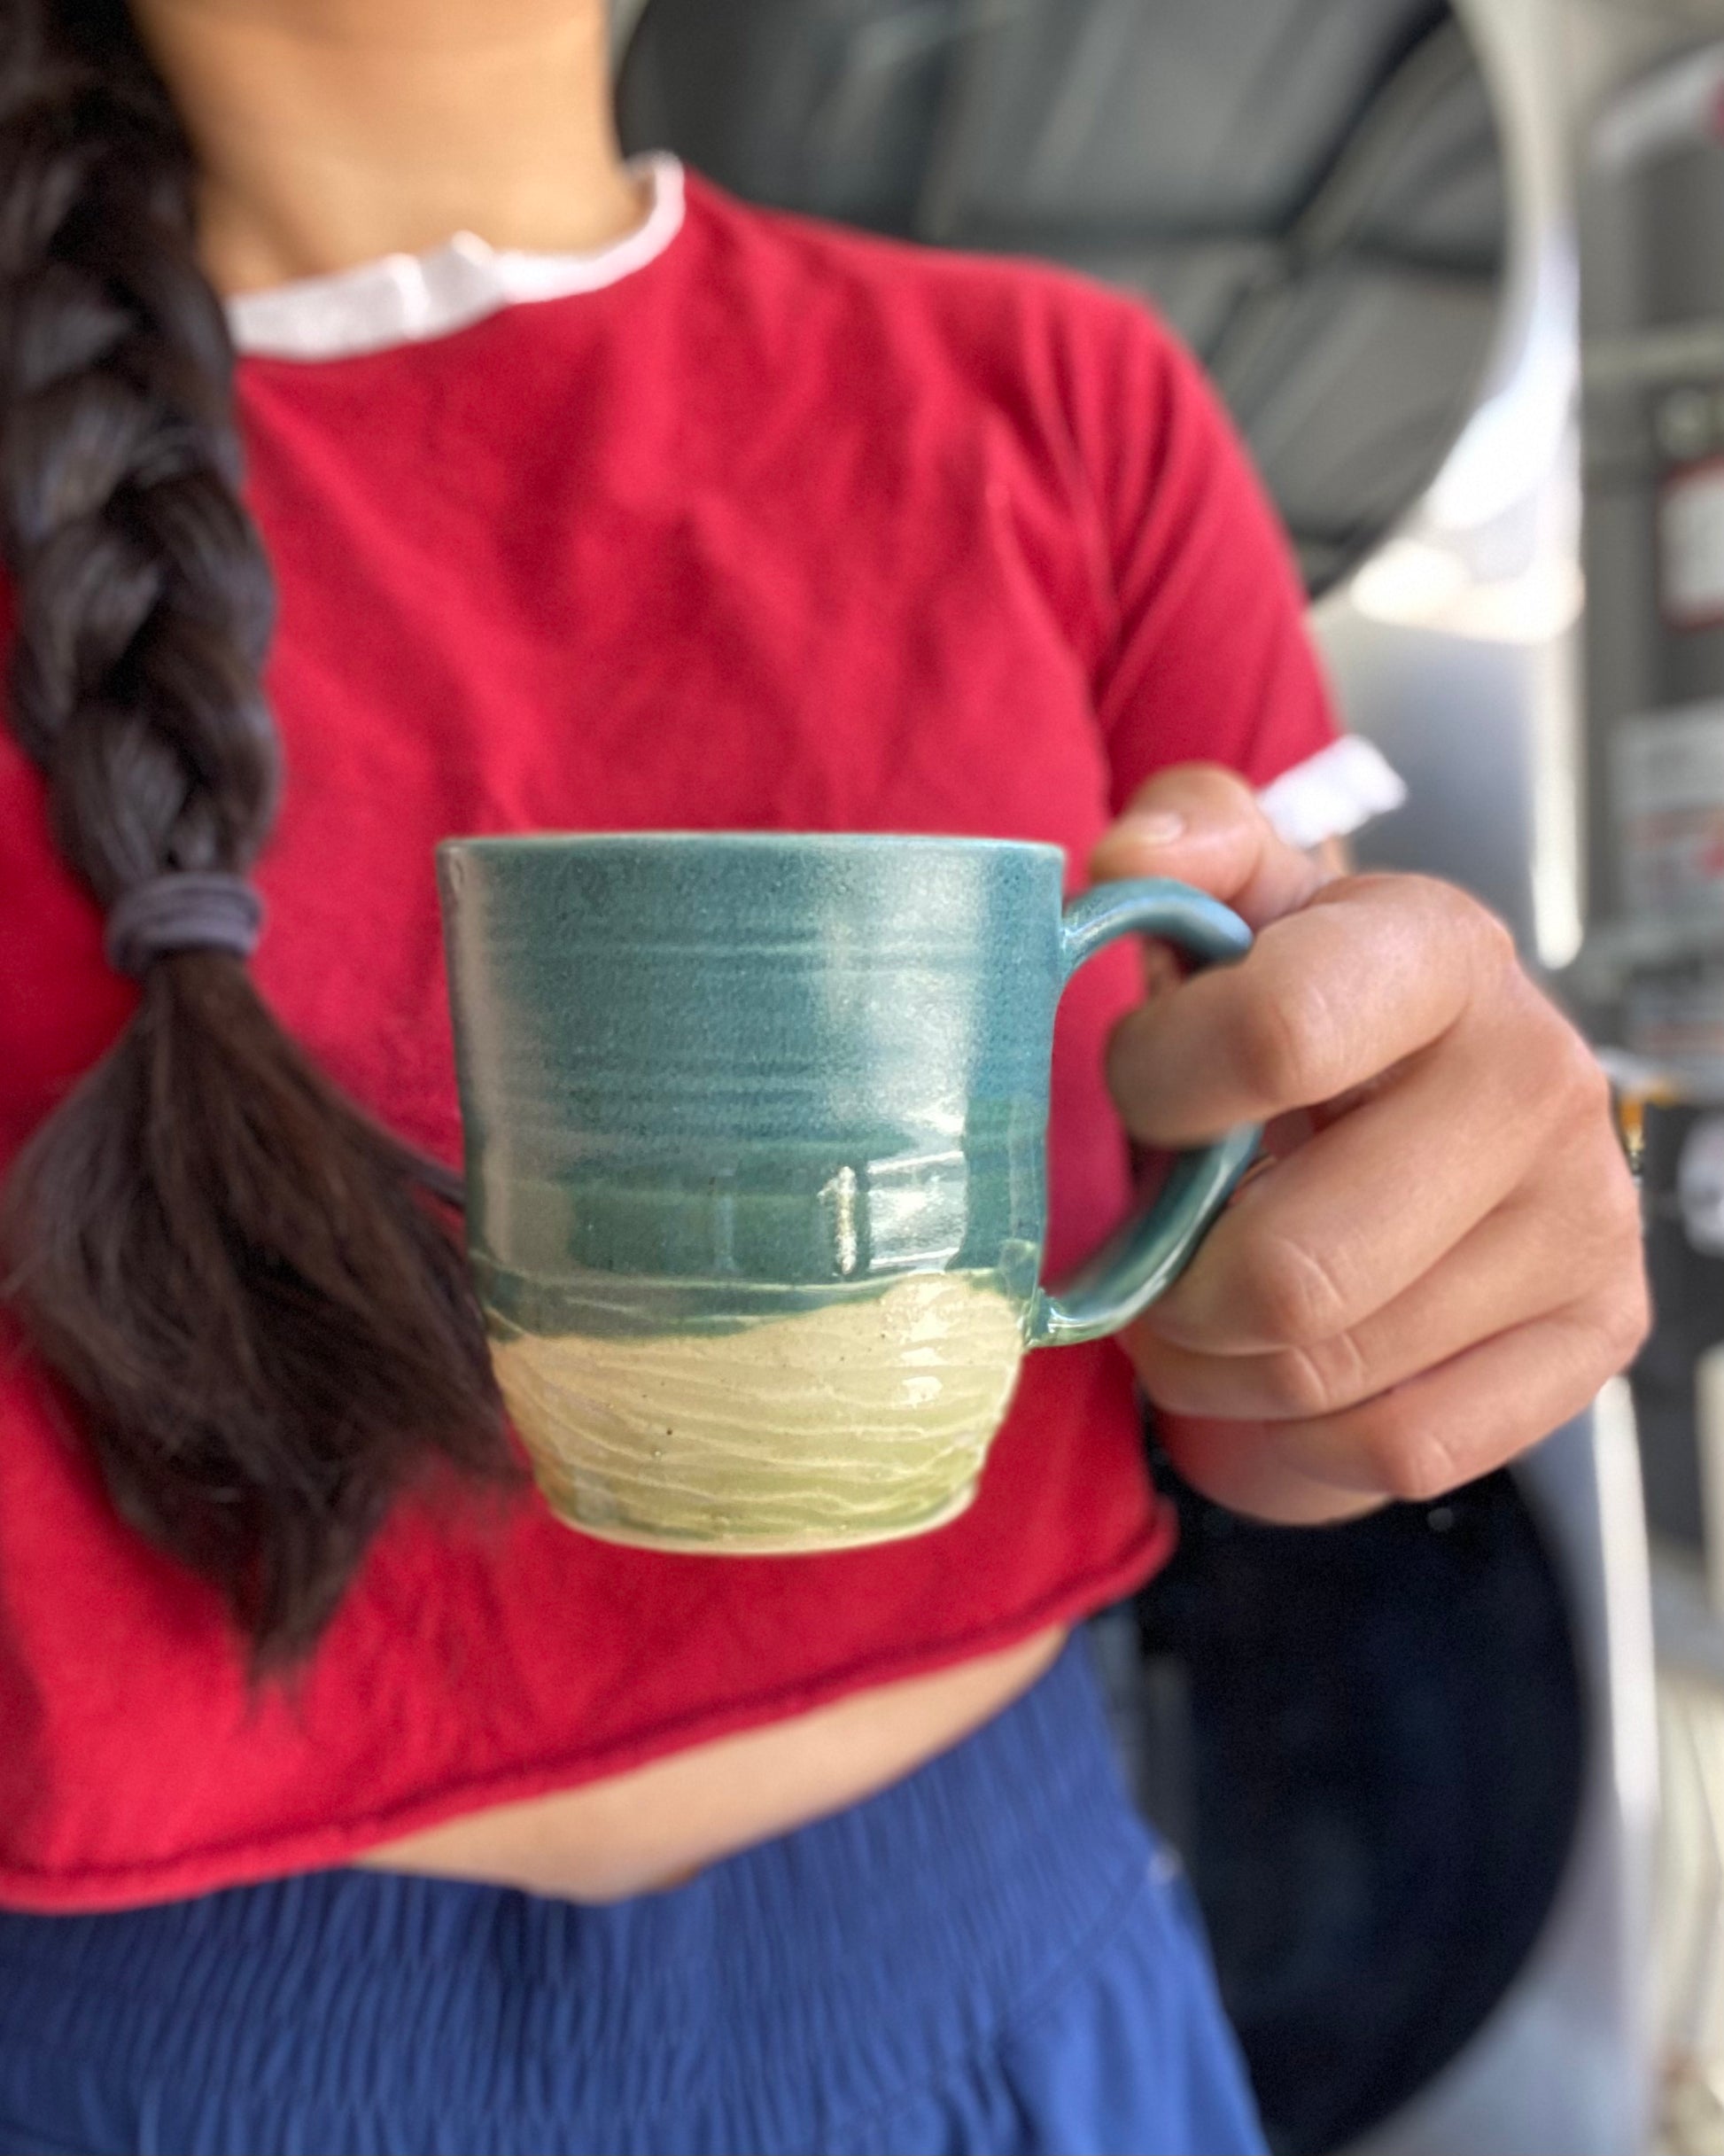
(238,1274)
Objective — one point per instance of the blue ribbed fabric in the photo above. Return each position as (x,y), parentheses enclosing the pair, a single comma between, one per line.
(991,1957)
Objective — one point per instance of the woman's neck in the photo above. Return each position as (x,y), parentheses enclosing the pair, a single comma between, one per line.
(329,132)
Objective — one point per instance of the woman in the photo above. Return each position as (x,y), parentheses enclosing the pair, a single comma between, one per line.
(347,1800)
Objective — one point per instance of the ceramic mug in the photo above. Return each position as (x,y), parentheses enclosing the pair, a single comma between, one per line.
(756,1179)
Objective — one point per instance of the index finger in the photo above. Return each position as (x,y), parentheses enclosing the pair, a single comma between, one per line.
(1372,970)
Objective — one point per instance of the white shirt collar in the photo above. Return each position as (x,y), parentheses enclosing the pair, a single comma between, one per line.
(404,299)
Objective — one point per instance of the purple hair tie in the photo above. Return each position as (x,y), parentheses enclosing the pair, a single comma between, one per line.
(185,910)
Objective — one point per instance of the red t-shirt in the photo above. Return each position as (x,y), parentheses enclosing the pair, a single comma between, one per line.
(784,529)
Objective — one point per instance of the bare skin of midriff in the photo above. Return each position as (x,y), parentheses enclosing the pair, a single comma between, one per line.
(661,1825)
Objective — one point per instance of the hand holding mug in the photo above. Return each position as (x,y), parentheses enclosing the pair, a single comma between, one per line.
(1441,1260)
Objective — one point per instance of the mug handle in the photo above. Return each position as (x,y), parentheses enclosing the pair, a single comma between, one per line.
(1148,1254)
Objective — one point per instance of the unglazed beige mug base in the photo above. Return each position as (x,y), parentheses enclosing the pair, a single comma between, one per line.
(863,1420)
(764,1545)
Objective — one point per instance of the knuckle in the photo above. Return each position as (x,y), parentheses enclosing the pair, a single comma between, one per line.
(1594,1234)
(1291,1298)
(1606,1254)
(1557,1078)
(1628,1320)
(1286,1049)
(1489,939)
(1623,1228)
(1414,1460)
(1580,1078)
(1303,1383)
(1493,939)
(1460,921)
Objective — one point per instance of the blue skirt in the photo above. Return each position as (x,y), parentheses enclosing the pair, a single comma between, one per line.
(993,1956)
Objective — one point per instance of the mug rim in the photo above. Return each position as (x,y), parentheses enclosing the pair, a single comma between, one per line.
(801,842)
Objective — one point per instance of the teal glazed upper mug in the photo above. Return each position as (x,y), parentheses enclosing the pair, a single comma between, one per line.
(756,1165)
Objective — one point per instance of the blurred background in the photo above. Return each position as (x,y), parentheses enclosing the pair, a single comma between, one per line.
(1457,267)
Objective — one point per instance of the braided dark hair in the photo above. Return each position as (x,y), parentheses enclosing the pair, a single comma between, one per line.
(244,1281)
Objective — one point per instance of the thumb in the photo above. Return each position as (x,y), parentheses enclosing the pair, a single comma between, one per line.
(1202,825)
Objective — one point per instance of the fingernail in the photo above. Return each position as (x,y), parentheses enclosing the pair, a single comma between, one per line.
(1155,828)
